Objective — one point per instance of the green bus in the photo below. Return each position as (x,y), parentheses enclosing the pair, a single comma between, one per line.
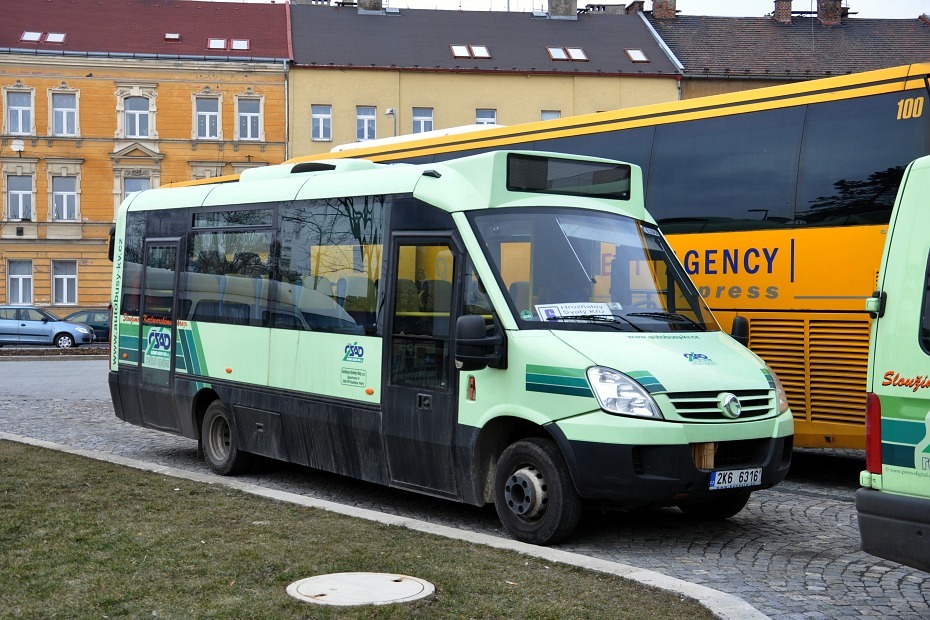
(507,328)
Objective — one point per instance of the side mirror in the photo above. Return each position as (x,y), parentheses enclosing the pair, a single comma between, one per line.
(474,348)
(740,330)
(875,305)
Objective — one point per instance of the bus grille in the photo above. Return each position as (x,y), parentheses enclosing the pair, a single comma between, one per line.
(833,354)
(703,405)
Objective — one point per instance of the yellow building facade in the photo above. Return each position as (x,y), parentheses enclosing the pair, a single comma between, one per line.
(453,98)
(79,134)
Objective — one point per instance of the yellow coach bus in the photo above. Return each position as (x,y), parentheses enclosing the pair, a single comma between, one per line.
(776,201)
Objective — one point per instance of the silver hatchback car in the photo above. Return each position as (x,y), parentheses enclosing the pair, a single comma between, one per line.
(26,325)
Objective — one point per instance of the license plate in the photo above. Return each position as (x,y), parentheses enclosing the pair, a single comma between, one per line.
(733,478)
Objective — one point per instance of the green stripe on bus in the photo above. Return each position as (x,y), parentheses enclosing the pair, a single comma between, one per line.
(901,456)
(558,389)
(554,370)
(648,381)
(568,381)
(903,431)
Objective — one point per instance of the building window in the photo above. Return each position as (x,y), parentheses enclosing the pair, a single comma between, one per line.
(550,115)
(64,114)
(19,282)
(321,122)
(64,198)
(485,117)
(137,117)
(249,112)
(575,54)
(19,113)
(422,120)
(131,185)
(470,51)
(64,282)
(207,118)
(365,122)
(19,197)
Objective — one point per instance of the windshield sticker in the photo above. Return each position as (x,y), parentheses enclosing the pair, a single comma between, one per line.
(553,312)
(651,231)
(526,315)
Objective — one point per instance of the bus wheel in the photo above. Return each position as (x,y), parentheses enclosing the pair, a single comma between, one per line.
(534,494)
(717,509)
(219,443)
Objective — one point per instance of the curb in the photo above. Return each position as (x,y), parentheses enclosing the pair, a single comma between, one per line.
(722,605)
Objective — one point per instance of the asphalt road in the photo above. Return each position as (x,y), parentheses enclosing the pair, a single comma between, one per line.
(793,552)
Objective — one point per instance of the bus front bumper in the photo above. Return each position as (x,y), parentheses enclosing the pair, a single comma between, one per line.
(641,476)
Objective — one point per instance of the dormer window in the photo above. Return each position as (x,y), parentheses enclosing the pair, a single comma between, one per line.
(55,37)
(470,51)
(31,37)
(575,54)
(216,44)
(239,44)
(172,36)
(637,55)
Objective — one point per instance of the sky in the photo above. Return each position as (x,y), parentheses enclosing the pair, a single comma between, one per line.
(887,9)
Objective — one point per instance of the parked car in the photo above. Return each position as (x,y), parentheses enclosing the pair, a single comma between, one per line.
(98,318)
(26,325)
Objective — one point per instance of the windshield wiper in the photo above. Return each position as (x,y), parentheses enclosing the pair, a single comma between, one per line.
(598,318)
(669,316)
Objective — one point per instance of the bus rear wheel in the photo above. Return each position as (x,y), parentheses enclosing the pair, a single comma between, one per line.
(220,445)
(535,498)
(717,509)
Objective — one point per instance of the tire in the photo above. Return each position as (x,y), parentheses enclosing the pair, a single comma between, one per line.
(534,495)
(64,341)
(220,445)
(717,509)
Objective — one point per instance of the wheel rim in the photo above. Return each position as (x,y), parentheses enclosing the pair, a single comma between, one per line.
(526,493)
(218,438)
(64,342)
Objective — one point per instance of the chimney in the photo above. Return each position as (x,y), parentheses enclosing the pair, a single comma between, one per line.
(369,5)
(635,7)
(563,8)
(665,9)
(829,12)
(783,11)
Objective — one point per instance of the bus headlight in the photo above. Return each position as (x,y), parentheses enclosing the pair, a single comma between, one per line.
(779,391)
(619,394)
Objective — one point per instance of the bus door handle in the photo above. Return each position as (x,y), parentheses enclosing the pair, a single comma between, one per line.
(424,402)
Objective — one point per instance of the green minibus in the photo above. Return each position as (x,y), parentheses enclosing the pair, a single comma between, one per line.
(893,504)
(507,328)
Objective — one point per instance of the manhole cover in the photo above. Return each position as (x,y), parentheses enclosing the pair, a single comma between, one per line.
(360,589)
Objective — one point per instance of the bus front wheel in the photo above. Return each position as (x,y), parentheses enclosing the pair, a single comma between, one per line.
(533,492)
(220,446)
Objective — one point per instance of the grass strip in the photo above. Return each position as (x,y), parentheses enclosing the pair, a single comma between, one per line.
(81,538)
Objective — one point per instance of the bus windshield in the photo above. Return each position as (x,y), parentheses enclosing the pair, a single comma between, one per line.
(578,269)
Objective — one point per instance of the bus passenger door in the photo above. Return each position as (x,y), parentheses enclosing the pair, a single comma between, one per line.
(419,408)
(157,335)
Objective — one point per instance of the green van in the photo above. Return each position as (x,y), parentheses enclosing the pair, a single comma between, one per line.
(894,501)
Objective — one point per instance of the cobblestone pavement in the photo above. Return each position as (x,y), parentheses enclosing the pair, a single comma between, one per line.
(793,552)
